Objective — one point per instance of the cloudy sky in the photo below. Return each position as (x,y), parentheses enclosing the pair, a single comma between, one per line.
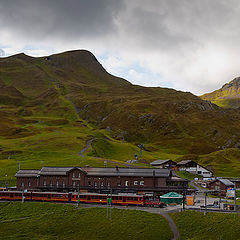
(189,45)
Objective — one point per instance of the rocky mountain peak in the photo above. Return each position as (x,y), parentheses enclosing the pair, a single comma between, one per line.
(235,84)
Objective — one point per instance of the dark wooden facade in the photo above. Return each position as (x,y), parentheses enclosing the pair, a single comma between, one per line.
(221,185)
(99,179)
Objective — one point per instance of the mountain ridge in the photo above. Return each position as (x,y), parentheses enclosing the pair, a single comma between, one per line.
(74,85)
(227,96)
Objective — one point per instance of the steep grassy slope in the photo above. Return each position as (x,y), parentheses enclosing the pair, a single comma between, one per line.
(74,82)
(228,96)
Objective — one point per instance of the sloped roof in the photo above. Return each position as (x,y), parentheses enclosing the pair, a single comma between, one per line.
(226,182)
(159,162)
(141,172)
(183,162)
(128,172)
(27,173)
(55,170)
(172,195)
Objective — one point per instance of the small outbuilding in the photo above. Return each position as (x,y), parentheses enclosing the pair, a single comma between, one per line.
(172,197)
(221,184)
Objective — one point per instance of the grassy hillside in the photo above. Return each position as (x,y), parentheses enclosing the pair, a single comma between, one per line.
(194,225)
(51,106)
(57,221)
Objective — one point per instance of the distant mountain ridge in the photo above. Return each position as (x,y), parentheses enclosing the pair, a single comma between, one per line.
(74,85)
(227,96)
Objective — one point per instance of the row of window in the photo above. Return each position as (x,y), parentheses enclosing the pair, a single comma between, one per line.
(77,183)
(127,183)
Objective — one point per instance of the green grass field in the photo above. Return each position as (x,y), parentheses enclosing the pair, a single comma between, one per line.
(44,221)
(194,225)
(50,141)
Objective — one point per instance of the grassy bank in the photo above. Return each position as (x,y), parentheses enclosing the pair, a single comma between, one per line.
(59,221)
(194,225)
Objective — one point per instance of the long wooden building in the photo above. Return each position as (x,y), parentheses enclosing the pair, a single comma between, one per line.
(90,179)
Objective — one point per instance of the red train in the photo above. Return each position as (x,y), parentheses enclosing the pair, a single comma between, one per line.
(120,199)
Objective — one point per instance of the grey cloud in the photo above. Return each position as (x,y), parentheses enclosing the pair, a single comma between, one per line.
(59,18)
(168,36)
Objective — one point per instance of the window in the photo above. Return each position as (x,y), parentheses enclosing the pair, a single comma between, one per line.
(126,183)
(23,184)
(101,184)
(50,183)
(95,184)
(44,183)
(74,183)
(199,172)
(89,183)
(29,184)
(108,184)
(57,184)
(79,175)
(135,183)
(73,175)
(141,183)
(119,184)
(63,184)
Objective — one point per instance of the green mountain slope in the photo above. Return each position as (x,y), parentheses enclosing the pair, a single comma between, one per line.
(61,101)
(228,96)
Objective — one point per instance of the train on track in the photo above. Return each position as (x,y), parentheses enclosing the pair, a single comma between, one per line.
(75,197)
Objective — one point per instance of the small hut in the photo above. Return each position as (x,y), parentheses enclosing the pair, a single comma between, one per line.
(172,197)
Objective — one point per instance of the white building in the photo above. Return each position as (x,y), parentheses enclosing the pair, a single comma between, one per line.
(194,168)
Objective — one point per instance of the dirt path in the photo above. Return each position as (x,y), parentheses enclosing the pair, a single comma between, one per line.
(172,225)
(14,220)
(85,148)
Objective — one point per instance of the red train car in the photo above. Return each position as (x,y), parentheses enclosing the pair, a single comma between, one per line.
(119,199)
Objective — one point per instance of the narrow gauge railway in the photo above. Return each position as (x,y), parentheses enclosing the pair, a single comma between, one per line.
(74,197)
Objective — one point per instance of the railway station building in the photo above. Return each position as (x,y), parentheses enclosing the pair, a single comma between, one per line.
(88,179)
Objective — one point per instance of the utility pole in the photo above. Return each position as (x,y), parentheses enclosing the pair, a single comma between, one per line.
(78,194)
(6,181)
(141,147)
(99,121)
(205,203)
(235,199)
(111,206)
(123,136)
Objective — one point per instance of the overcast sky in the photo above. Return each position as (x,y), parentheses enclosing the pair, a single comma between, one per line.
(189,45)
